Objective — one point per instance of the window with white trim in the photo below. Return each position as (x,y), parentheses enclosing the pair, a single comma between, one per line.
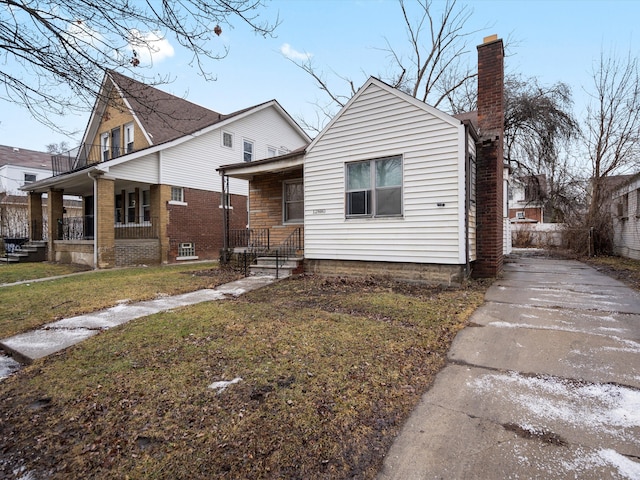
(29,178)
(128,137)
(293,201)
(177,194)
(247,150)
(520,215)
(104,147)
(227,139)
(374,188)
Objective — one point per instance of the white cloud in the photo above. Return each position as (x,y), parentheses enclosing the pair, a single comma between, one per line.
(293,54)
(150,47)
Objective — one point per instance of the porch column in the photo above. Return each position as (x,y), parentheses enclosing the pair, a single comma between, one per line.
(160,195)
(104,239)
(35,215)
(55,215)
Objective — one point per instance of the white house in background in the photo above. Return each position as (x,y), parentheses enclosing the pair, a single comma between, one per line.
(625,213)
(20,167)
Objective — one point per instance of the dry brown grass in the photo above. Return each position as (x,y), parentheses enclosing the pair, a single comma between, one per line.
(330,369)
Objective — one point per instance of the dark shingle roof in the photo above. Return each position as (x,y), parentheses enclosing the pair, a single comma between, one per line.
(164,117)
(24,158)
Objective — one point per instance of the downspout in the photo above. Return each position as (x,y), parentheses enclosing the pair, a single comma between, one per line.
(95,220)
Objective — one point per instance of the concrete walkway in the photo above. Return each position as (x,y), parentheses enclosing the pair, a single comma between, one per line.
(544,383)
(54,337)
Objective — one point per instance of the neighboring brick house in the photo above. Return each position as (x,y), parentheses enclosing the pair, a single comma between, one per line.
(20,167)
(393,186)
(527,197)
(146,171)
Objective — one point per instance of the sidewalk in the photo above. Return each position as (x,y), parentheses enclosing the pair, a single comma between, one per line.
(53,337)
(543,383)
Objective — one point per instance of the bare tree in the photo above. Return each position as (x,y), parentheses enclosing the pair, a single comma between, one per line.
(539,129)
(54,54)
(612,126)
(433,70)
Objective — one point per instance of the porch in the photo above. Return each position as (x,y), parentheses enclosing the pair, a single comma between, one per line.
(275,233)
(122,222)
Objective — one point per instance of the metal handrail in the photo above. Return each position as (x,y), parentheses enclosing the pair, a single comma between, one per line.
(85,154)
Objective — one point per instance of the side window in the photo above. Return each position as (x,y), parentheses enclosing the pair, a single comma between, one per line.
(247,150)
(177,194)
(227,139)
(29,178)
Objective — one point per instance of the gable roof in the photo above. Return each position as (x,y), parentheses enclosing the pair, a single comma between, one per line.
(393,91)
(24,158)
(162,116)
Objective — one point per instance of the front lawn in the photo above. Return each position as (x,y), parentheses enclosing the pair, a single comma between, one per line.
(30,305)
(329,369)
(19,272)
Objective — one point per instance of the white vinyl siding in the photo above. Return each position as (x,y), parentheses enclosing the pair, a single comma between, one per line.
(205,152)
(377,124)
(626,227)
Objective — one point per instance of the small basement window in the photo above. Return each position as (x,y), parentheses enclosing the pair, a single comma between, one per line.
(520,215)
(187,251)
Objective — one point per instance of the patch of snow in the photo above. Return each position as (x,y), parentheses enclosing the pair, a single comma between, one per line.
(600,408)
(222,385)
(7,366)
(625,466)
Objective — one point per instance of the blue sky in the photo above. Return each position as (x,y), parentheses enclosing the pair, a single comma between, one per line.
(552,40)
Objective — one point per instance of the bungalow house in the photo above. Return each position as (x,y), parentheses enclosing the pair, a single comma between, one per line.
(146,174)
(391,185)
(625,214)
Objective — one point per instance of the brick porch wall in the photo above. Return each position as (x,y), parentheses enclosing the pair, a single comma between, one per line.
(265,205)
(200,222)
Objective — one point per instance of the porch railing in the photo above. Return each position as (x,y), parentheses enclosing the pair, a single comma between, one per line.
(281,254)
(75,228)
(85,154)
(142,230)
(81,228)
(251,238)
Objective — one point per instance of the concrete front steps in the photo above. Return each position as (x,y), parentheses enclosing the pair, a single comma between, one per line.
(34,251)
(267,266)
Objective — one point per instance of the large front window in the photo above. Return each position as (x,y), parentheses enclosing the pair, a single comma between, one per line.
(293,201)
(374,188)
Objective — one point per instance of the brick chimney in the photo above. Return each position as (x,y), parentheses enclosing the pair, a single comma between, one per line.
(490,161)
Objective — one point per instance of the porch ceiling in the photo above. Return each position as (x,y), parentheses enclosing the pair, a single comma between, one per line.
(73,183)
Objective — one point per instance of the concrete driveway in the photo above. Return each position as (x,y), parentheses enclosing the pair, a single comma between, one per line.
(544,383)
